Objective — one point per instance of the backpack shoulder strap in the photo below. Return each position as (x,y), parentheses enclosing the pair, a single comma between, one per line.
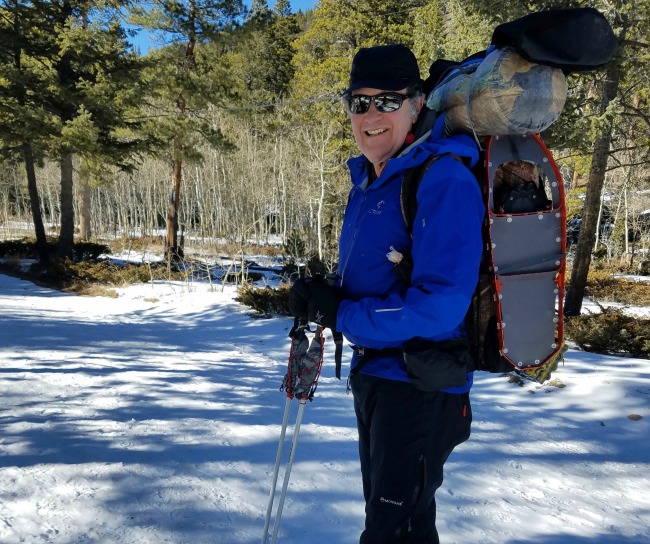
(408,195)
(409,191)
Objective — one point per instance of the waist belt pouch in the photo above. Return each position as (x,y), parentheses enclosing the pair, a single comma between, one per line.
(433,366)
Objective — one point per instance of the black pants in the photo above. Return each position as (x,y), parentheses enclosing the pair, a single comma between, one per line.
(405,437)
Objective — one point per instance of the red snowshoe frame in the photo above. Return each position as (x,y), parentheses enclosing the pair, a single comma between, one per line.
(528,261)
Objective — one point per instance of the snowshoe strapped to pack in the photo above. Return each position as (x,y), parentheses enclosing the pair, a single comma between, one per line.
(504,97)
(522,276)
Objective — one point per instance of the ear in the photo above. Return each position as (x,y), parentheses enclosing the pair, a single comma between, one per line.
(419,102)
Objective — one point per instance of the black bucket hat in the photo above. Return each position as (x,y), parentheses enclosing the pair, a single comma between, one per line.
(384,67)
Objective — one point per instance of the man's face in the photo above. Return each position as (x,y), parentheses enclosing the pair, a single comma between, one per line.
(379,135)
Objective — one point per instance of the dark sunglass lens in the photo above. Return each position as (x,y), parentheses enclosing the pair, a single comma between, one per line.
(388,102)
(358,104)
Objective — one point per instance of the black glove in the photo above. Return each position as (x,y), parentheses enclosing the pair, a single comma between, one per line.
(299,298)
(323,304)
(315,300)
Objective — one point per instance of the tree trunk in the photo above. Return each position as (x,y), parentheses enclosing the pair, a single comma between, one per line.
(66,234)
(85,230)
(35,203)
(575,180)
(625,222)
(173,249)
(319,218)
(589,226)
(599,218)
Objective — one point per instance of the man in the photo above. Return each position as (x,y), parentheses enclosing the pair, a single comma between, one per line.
(411,390)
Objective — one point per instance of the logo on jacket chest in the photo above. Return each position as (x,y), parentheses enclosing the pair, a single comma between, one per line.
(376,210)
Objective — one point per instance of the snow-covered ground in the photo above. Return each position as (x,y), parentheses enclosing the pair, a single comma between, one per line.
(154,418)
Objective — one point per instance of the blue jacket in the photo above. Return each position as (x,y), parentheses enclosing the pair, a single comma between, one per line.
(380,311)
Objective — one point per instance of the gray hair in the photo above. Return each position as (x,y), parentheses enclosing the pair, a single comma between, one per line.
(414,110)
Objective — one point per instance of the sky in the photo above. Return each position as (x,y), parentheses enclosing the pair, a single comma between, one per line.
(153,417)
(300,4)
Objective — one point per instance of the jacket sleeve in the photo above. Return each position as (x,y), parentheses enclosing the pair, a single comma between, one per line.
(446,253)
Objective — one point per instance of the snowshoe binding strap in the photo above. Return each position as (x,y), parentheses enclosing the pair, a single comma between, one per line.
(305,362)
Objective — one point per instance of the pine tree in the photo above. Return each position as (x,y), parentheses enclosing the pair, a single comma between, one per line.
(279,54)
(260,16)
(429,33)
(185,84)
(262,55)
(20,119)
(80,82)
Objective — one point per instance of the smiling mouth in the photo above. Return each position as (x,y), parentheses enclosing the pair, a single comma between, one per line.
(376,131)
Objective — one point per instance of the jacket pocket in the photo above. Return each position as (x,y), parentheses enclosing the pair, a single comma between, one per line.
(434,366)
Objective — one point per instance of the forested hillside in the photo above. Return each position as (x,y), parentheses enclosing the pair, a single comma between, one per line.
(232,128)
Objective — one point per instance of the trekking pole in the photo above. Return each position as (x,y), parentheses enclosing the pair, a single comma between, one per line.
(301,380)
(285,483)
(276,470)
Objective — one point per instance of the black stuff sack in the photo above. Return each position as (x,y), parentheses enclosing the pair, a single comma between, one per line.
(574,39)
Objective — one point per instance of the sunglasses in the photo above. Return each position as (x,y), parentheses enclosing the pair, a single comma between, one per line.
(384,102)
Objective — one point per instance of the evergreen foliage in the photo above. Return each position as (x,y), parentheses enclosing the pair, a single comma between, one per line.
(69,89)
(265,301)
(611,331)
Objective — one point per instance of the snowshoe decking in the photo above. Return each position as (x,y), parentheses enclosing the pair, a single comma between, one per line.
(527,250)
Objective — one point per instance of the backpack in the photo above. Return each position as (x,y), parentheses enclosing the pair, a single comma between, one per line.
(505,96)
(515,319)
